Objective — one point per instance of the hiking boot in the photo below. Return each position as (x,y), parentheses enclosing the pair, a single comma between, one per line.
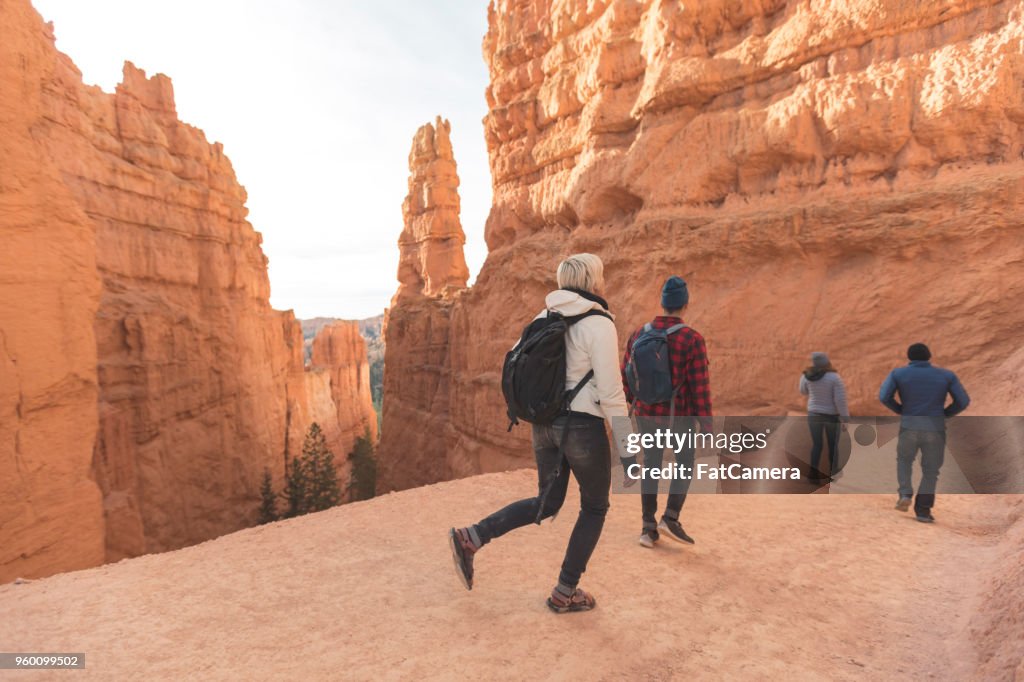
(648,537)
(675,531)
(903,504)
(925,517)
(463,549)
(559,602)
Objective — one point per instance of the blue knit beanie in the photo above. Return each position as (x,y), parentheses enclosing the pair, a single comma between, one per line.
(674,294)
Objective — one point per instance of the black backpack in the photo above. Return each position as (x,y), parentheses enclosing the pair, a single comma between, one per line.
(533,376)
(649,371)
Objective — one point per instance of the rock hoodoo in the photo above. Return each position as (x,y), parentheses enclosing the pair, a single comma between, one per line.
(431,271)
(827,176)
(145,381)
(431,256)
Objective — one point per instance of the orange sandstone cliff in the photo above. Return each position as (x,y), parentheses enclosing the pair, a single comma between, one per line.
(145,381)
(835,176)
(51,509)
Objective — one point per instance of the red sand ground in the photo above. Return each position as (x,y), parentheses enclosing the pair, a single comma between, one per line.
(795,587)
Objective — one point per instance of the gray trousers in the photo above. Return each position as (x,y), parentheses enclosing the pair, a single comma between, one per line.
(932,445)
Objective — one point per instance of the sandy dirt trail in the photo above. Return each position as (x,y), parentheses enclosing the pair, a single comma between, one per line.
(795,587)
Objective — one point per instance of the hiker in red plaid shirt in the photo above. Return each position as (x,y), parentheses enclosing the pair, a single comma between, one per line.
(689,367)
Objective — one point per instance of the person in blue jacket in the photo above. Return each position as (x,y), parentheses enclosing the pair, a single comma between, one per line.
(922,389)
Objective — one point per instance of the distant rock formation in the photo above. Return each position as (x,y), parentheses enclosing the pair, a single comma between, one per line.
(827,176)
(370,329)
(310,328)
(345,411)
(145,381)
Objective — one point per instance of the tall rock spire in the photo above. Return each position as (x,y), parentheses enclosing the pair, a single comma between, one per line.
(431,262)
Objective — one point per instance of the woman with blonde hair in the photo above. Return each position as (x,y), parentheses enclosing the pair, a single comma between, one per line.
(575,441)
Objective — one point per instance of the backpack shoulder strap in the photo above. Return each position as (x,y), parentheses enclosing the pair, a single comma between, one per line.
(571,395)
(675,390)
(576,318)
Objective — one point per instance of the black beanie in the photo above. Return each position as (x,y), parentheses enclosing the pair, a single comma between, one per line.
(918,351)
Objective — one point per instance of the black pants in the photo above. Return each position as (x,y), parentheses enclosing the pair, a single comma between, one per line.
(653,459)
(827,425)
(588,455)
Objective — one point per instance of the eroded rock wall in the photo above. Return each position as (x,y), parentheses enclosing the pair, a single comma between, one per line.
(193,363)
(146,382)
(51,510)
(417,382)
(835,176)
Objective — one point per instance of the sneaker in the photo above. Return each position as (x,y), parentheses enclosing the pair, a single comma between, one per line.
(903,504)
(648,538)
(925,517)
(463,550)
(675,531)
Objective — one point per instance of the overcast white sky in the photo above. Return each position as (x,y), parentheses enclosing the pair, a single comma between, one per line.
(316,103)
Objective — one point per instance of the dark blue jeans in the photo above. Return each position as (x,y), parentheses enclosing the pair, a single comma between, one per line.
(932,445)
(653,459)
(588,455)
(827,425)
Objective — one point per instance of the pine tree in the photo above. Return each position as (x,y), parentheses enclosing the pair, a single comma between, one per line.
(364,469)
(295,488)
(322,490)
(268,501)
(312,481)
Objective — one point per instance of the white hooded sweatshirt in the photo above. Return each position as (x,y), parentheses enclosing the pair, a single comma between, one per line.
(591,343)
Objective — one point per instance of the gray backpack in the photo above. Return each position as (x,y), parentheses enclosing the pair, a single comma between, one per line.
(649,370)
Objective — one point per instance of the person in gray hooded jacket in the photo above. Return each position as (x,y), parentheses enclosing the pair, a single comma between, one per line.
(826,407)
